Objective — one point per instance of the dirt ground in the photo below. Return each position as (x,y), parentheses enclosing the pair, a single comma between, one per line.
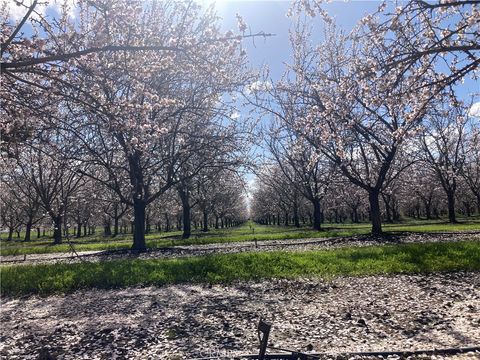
(402,312)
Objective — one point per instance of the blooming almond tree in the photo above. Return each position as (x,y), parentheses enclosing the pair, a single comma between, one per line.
(445,133)
(370,90)
(264,208)
(441,35)
(51,42)
(25,199)
(283,192)
(229,198)
(46,166)
(310,173)
(359,118)
(471,166)
(140,116)
(421,182)
(201,172)
(10,212)
(113,210)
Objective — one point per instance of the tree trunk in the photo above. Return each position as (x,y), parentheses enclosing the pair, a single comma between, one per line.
(167,223)
(354,214)
(387,200)
(38,233)
(187,213)
(147,224)
(107,229)
(115,227)
(317,214)
(296,220)
(428,210)
(28,230)
(388,213)
(451,206)
(205,220)
(10,234)
(187,223)
(66,232)
(139,226)
(375,213)
(79,230)
(395,213)
(57,230)
(468,208)
(216,222)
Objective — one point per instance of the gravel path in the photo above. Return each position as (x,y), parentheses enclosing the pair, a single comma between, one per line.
(401,312)
(236,247)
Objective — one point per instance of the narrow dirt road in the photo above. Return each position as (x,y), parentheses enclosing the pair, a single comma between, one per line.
(236,247)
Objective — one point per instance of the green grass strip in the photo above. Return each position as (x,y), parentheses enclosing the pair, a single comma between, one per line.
(248,231)
(391,259)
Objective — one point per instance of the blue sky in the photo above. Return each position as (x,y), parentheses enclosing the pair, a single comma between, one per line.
(270,17)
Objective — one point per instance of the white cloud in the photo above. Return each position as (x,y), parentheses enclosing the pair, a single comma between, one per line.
(17,12)
(259,86)
(475,110)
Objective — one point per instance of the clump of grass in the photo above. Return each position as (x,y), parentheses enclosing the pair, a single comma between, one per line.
(225,268)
